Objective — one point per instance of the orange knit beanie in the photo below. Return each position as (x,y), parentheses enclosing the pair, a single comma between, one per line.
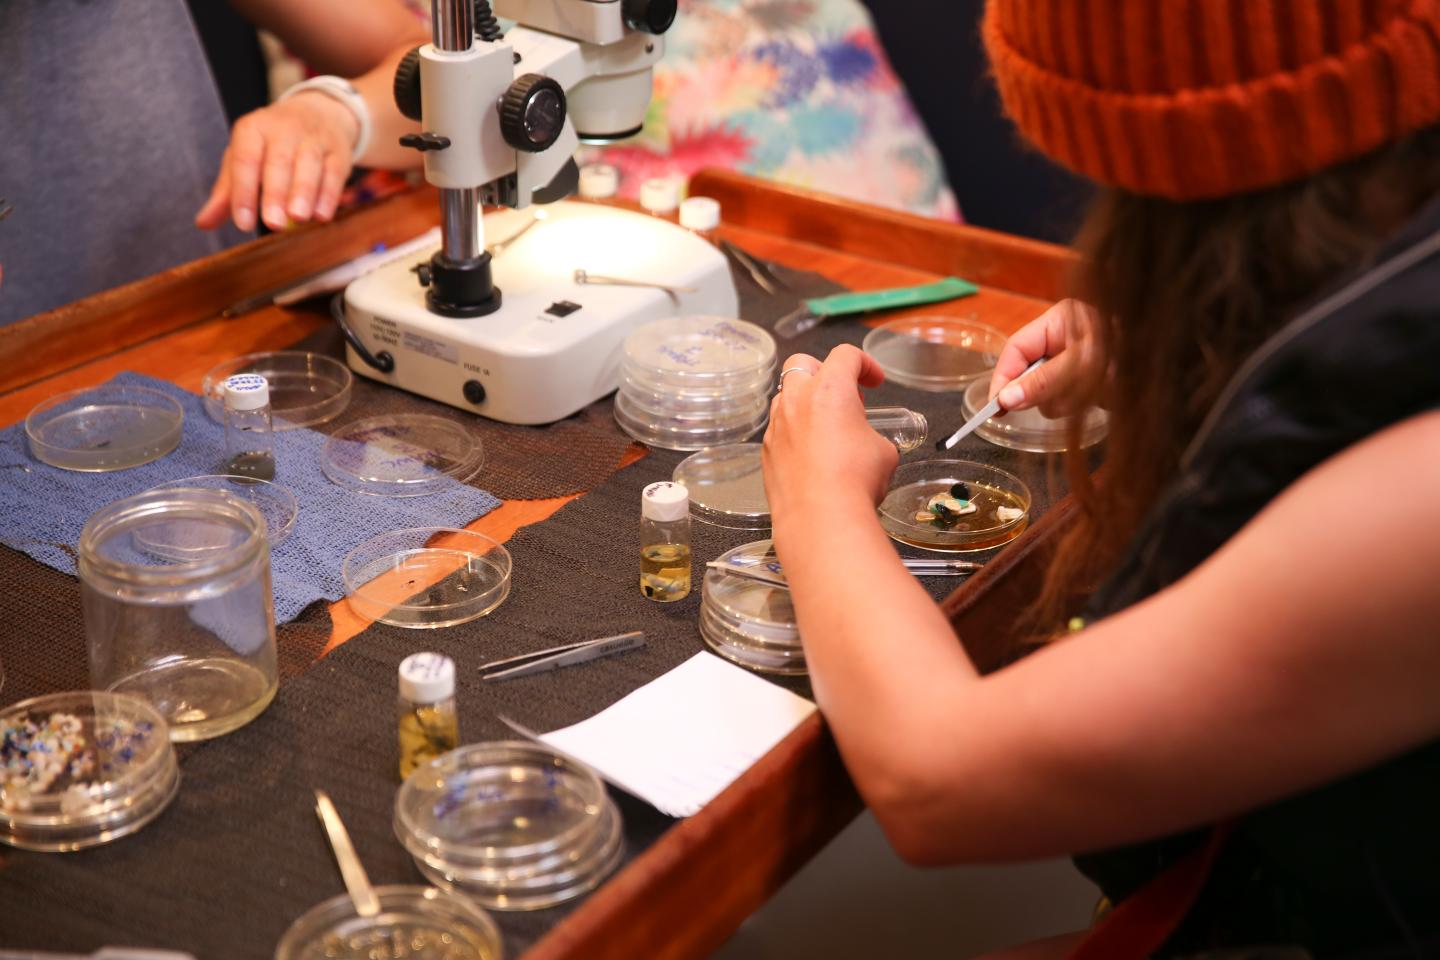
(1191,99)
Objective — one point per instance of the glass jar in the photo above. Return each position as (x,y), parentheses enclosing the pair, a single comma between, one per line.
(175,590)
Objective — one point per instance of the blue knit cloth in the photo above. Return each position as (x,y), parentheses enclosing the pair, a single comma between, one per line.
(43,509)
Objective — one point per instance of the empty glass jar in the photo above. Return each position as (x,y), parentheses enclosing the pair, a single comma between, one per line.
(175,587)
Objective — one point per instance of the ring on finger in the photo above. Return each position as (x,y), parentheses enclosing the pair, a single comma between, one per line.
(789,370)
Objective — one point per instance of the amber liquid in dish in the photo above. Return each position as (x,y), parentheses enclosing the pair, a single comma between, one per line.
(993,522)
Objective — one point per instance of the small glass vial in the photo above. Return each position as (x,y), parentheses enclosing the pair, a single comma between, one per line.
(599,183)
(665,542)
(660,197)
(701,216)
(429,724)
(903,427)
(249,428)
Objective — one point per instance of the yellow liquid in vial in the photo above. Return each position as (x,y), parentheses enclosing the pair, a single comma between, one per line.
(980,530)
(665,571)
(426,733)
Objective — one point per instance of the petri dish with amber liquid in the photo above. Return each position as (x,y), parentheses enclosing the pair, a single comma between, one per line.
(954,506)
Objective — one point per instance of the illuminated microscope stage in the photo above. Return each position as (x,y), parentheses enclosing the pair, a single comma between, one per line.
(554,346)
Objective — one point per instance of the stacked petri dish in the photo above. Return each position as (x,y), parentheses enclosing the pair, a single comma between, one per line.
(417,923)
(687,383)
(747,621)
(82,769)
(512,824)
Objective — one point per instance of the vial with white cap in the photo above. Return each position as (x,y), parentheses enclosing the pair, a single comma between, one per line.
(429,722)
(701,216)
(599,182)
(249,427)
(665,542)
(660,197)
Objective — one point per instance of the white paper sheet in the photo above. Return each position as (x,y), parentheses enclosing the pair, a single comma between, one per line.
(681,739)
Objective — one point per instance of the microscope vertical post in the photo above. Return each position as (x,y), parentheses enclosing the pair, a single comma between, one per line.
(453,30)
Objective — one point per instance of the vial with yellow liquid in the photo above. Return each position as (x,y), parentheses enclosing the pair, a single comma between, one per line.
(665,542)
(429,723)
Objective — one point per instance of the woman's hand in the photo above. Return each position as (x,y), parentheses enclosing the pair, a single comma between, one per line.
(820,456)
(288,160)
(1070,335)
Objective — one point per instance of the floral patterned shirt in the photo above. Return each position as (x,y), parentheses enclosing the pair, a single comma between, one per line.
(797,91)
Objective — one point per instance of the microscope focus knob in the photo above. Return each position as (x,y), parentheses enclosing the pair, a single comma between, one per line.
(532,113)
(649,16)
(407,85)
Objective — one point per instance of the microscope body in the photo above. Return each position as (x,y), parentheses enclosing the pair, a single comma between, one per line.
(513,337)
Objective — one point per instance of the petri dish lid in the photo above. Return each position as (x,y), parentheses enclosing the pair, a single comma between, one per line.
(749,622)
(276,504)
(699,352)
(1031,430)
(305,388)
(418,923)
(935,353)
(674,433)
(402,455)
(82,769)
(1002,499)
(427,577)
(105,428)
(727,486)
(514,824)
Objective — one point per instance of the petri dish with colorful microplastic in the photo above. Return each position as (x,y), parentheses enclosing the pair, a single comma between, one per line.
(82,769)
(747,621)
(414,923)
(423,578)
(954,506)
(936,354)
(110,427)
(402,455)
(1030,430)
(305,388)
(512,824)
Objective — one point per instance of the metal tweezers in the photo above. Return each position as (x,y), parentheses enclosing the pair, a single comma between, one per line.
(542,660)
(757,271)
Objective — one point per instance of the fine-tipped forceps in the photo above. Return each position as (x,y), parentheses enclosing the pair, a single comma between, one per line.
(584,277)
(563,656)
(756,270)
(769,572)
(500,246)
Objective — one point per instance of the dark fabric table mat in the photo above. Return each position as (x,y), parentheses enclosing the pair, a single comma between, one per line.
(239,855)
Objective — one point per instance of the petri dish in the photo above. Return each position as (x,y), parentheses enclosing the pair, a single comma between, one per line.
(305,388)
(937,354)
(1030,430)
(727,486)
(104,428)
(82,769)
(402,455)
(512,824)
(276,504)
(748,622)
(414,923)
(1001,500)
(688,353)
(675,433)
(427,577)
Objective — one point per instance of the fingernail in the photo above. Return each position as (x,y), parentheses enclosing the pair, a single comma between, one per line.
(275,217)
(300,209)
(245,219)
(1011,396)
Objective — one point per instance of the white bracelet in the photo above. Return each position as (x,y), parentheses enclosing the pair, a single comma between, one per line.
(338,88)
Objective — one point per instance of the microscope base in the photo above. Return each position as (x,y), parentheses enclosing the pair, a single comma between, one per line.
(554,346)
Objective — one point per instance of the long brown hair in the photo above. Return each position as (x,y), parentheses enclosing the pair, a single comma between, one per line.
(1187,291)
